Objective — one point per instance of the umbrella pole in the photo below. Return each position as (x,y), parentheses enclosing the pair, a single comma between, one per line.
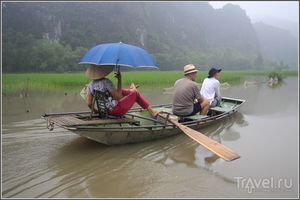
(119,78)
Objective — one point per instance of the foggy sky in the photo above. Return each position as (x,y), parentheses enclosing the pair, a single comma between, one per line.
(256,10)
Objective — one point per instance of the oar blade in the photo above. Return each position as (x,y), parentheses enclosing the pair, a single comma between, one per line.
(214,146)
(217,148)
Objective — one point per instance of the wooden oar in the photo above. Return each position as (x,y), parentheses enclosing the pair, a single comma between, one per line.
(212,145)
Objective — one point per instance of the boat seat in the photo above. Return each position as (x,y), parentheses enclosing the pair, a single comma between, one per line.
(224,107)
(190,118)
(219,109)
(73,121)
(196,117)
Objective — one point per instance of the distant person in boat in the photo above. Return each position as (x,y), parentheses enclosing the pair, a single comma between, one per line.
(187,100)
(120,101)
(211,87)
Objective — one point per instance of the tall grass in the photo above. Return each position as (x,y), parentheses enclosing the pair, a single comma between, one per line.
(40,81)
(75,81)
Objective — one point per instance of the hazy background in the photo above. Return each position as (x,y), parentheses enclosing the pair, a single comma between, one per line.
(282,14)
(53,36)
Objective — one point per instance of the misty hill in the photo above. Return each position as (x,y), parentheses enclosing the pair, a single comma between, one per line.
(53,36)
(277,44)
(281,23)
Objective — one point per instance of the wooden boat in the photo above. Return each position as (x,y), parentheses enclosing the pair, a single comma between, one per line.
(136,125)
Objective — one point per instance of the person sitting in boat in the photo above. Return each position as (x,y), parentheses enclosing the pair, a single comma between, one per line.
(120,100)
(187,100)
(211,87)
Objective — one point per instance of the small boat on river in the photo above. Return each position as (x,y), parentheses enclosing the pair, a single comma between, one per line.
(137,125)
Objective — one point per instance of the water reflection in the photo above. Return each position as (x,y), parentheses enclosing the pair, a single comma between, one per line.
(86,162)
(230,134)
(84,168)
(182,149)
(188,152)
(79,162)
(39,163)
(94,170)
(276,85)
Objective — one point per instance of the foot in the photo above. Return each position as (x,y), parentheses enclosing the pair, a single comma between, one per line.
(153,112)
(133,87)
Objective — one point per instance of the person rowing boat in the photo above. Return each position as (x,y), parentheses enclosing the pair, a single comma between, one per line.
(119,100)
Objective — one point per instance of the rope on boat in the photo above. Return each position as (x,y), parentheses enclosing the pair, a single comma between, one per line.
(167,118)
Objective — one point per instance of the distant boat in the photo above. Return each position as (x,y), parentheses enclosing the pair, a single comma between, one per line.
(136,125)
(273,81)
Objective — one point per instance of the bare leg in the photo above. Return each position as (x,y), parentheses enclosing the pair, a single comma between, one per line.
(153,112)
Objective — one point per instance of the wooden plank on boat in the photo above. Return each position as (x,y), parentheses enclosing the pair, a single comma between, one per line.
(107,121)
(65,120)
(73,121)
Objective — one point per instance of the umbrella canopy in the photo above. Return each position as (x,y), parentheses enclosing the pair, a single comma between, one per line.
(118,54)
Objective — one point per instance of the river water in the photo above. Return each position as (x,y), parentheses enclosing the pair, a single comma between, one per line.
(39,163)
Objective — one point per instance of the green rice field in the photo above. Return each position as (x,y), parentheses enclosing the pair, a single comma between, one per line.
(75,81)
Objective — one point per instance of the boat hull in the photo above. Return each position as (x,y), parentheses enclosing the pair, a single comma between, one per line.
(135,134)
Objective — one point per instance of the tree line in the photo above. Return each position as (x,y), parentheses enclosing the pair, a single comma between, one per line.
(44,37)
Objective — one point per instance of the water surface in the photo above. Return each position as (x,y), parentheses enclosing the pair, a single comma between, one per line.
(39,163)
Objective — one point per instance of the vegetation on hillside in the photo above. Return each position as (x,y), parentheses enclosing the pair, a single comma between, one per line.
(53,36)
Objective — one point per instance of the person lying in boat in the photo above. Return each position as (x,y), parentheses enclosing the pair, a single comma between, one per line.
(211,87)
(119,100)
(187,100)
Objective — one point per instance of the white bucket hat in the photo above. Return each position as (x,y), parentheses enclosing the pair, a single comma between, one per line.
(190,68)
(96,72)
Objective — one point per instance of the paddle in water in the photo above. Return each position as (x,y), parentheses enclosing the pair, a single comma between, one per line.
(212,145)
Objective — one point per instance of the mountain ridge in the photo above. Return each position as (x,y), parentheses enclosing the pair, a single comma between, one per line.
(53,36)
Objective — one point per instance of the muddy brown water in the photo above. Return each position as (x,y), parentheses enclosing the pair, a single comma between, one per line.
(39,163)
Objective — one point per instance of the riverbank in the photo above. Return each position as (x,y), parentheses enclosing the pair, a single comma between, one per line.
(74,81)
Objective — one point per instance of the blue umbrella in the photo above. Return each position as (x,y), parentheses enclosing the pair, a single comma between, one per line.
(118,54)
